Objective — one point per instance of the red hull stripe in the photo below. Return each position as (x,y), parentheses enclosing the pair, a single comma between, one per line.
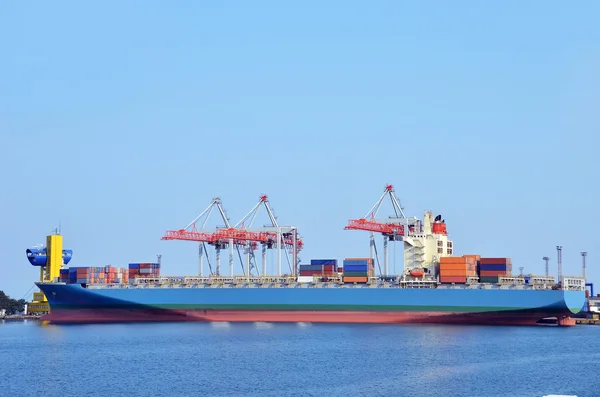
(372,317)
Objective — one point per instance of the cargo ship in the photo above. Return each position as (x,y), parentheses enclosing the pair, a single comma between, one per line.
(288,301)
(435,286)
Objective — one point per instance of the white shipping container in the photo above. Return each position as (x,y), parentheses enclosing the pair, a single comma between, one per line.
(305,279)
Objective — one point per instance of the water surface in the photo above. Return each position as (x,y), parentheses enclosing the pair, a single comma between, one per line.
(196,359)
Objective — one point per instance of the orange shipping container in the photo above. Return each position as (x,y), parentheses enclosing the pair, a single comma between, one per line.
(457,266)
(355,279)
(453,273)
(457,259)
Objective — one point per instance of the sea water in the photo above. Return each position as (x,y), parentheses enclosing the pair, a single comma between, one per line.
(304,359)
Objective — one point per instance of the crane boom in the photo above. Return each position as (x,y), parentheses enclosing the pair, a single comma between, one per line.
(389,228)
(192,235)
(376,227)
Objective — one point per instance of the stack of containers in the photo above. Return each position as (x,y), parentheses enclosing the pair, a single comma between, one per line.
(143,270)
(328,266)
(456,269)
(491,269)
(64,276)
(93,275)
(111,274)
(310,270)
(133,271)
(82,275)
(477,260)
(72,275)
(357,270)
(318,267)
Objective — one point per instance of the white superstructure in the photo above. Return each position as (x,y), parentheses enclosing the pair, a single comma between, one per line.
(426,243)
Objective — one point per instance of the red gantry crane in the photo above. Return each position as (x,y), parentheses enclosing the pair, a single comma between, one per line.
(206,236)
(392,228)
(270,236)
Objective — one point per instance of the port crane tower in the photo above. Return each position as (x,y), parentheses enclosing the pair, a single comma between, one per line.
(269,236)
(204,235)
(393,228)
(239,236)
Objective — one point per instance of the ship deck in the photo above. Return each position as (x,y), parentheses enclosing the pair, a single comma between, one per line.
(507,283)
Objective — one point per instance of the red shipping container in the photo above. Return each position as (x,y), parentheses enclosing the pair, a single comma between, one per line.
(310,273)
(492,273)
(495,261)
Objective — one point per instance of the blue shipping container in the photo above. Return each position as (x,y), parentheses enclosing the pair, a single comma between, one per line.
(356,268)
(134,265)
(323,262)
(494,267)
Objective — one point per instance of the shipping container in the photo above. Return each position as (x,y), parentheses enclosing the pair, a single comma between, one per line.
(323,262)
(456,259)
(476,257)
(494,272)
(493,280)
(494,266)
(484,261)
(311,267)
(457,266)
(355,274)
(457,273)
(355,279)
(356,268)
(486,273)
(370,260)
(305,279)
(310,273)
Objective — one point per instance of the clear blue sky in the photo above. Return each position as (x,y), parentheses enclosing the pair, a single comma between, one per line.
(124,119)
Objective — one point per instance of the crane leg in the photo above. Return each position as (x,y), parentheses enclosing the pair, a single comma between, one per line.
(385,255)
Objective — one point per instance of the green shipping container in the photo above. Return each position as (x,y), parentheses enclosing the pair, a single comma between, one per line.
(489,279)
(355,274)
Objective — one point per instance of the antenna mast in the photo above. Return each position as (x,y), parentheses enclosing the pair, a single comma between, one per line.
(547,267)
(559,260)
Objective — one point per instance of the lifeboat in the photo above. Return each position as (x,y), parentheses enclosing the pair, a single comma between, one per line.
(417,272)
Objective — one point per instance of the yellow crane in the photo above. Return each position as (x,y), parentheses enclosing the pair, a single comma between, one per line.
(50,259)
